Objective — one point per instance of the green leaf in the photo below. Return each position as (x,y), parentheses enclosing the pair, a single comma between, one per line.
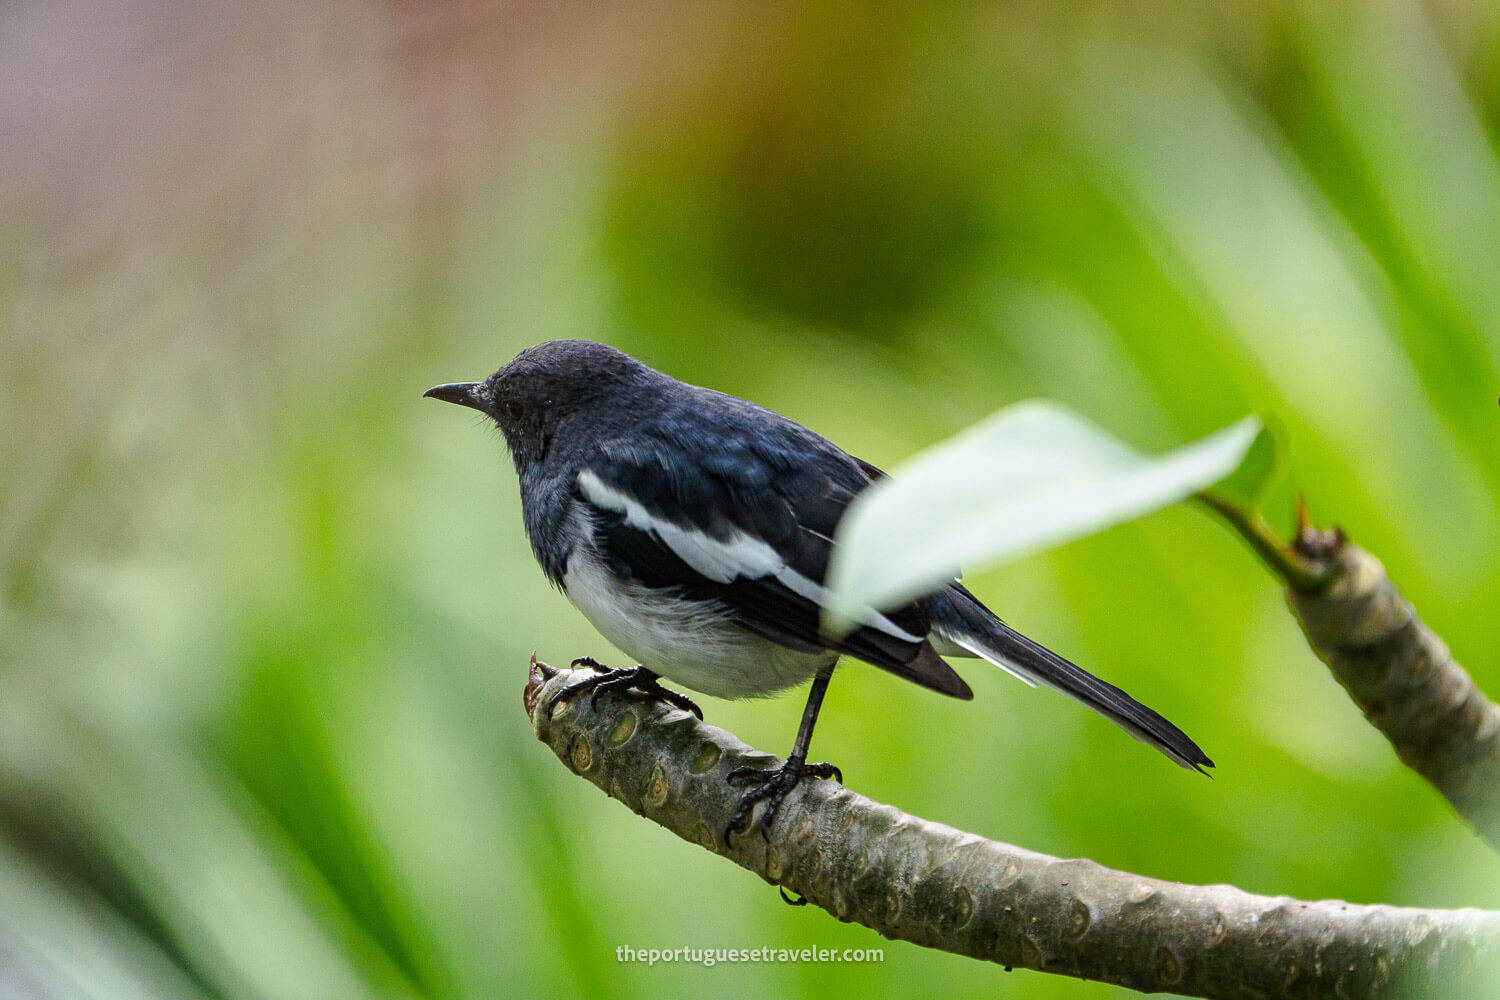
(1030,476)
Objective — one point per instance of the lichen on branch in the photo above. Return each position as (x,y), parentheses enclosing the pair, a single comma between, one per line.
(935,886)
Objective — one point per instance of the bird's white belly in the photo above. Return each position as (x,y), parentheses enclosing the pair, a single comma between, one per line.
(689,642)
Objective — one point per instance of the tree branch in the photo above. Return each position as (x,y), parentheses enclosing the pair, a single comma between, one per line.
(935,886)
(1397,670)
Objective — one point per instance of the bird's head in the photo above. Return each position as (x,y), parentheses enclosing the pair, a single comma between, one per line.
(540,389)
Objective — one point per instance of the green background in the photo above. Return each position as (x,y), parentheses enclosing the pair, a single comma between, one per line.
(265,613)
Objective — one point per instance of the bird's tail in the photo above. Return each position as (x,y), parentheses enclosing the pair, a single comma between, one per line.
(962,621)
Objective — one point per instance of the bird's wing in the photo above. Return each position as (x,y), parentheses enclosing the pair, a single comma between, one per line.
(750,525)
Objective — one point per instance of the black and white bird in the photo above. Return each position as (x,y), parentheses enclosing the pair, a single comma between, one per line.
(693,530)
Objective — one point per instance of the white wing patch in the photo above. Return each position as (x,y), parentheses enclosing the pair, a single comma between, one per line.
(722,561)
(719,561)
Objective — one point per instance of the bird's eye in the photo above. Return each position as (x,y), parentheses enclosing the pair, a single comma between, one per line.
(512,409)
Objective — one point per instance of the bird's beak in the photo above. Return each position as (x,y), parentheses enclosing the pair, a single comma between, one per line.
(462,393)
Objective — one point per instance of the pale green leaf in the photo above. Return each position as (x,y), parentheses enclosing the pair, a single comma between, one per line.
(1031,476)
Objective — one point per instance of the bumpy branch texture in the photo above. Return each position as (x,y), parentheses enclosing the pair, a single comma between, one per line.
(917,881)
(1401,675)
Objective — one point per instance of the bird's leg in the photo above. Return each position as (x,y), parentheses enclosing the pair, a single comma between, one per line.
(636,678)
(773,785)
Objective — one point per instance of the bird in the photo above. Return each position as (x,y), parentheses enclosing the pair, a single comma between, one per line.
(693,529)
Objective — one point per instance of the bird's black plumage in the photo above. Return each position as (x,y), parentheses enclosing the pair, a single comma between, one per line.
(694,465)
(694,529)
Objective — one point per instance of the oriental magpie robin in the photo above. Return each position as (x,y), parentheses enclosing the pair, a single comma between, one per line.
(693,530)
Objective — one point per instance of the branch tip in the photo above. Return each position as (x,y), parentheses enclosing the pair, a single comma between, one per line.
(536,678)
(1319,545)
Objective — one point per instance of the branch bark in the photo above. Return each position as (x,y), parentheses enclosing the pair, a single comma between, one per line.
(1397,670)
(913,880)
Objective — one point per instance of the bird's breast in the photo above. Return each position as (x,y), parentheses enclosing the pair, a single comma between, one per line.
(692,642)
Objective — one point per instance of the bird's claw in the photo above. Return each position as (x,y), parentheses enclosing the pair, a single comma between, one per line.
(636,678)
(773,786)
(676,699)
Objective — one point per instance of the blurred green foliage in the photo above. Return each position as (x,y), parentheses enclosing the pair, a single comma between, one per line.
(264,615)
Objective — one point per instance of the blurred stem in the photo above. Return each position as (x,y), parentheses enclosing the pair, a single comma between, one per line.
(938,887)
(1281,558)
(1404,679)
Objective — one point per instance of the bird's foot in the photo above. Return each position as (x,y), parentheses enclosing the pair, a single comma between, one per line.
(772,786)
(636,678)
